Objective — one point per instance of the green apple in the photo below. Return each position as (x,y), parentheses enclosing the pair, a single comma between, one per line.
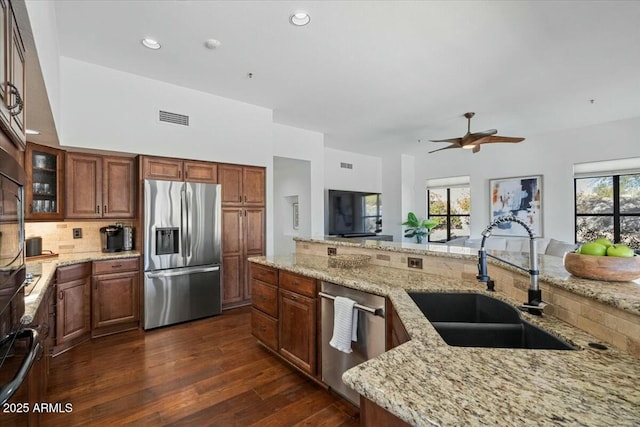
(593,248)
(620,250)
(604,241)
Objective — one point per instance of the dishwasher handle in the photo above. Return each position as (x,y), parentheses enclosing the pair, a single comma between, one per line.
(374,311)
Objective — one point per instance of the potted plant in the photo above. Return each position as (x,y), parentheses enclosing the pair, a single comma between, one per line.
(418,227)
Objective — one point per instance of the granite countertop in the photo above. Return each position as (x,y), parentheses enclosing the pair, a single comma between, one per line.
(429,383)
(46,270)
(622,295)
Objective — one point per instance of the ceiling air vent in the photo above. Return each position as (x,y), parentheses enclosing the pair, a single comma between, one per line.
(176,119)
(344,165)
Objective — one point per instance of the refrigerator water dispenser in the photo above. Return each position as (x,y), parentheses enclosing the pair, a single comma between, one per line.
(167,240)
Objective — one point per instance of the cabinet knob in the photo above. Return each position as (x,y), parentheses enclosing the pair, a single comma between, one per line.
(105,209)
(60,295)
(97,209)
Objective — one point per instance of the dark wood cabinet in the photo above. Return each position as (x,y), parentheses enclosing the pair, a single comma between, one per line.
(12,77)
(243,228)
(297,320)
(243,236)
(100,186)
(372,415)
(396,332)
(242,185)
(179,170)
(115,300)
(297,324)
(73,305)
(44,167)
(264,314)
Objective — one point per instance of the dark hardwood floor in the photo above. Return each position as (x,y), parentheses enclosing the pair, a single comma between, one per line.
(209,372)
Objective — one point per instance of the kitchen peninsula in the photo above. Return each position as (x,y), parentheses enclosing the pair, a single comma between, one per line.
(426,382)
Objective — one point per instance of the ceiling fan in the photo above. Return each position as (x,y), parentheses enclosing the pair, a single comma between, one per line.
(473,140)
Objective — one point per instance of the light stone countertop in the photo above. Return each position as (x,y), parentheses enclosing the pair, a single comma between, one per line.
(46,269)
(426,382)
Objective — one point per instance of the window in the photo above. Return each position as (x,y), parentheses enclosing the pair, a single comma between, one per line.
(608,206)
(451,207)
(372,218)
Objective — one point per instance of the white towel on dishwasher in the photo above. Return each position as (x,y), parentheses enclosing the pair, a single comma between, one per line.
(345,324)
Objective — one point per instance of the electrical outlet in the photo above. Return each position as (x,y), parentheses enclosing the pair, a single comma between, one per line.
(77,233)
(414,263)
(332,251)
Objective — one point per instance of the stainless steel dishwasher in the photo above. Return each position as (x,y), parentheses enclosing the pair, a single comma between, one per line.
(371,336)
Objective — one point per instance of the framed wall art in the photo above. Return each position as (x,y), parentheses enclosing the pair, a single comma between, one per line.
(518,196)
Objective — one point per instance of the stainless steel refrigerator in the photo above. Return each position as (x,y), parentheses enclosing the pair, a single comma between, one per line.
(182,252)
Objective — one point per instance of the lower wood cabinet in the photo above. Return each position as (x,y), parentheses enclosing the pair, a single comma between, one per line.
(298,330)
(372,415)
(396,332)
(115,299)
(73,305)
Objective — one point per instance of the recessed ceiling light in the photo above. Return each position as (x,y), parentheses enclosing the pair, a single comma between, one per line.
(300,19)
(151,43)
(31,132)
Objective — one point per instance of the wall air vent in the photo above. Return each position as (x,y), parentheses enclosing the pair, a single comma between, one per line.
(176,119)
(344,165)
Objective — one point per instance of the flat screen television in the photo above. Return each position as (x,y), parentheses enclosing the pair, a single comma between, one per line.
(354,213)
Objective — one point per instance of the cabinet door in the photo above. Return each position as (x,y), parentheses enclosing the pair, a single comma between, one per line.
(115,303)
(253,186)
(118,187)
(200,172)
(161,168)
(232,256)
(84,186)
(230,179)
(254,241)
(297,321)
(18,78)
(72,314)
(4,73)
(44,168)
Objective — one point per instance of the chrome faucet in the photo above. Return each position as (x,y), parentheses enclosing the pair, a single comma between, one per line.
(534,303)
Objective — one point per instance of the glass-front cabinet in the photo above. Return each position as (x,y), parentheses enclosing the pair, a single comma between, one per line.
(45,186)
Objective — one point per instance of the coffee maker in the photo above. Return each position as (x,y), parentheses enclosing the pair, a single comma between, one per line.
(112,238)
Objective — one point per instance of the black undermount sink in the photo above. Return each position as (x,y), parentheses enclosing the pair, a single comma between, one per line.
(477,320)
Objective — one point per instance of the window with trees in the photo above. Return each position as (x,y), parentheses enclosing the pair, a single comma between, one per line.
(608,206)
(372,218)
(451,207)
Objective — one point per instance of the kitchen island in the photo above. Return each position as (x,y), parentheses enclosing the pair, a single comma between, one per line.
(426,382)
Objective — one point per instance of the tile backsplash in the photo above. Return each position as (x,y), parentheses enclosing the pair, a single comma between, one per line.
(58,236)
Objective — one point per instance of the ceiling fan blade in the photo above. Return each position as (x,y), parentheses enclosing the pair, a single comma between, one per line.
(451,140)
(484,133)
(445,148)
(498,138)
(476,148)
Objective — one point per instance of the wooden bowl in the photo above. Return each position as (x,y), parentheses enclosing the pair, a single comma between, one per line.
(606,268)
(348,261)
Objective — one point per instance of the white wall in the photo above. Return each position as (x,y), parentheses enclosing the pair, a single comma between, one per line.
(292,184)
(551,155)
(42,16)
(366,175)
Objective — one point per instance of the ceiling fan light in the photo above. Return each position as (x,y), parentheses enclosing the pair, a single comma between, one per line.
(150,43)
(469,146)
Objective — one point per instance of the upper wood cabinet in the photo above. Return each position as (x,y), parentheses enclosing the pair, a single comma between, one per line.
(100,186)
(179,170)
(44,168)
(12,77)
(242,185)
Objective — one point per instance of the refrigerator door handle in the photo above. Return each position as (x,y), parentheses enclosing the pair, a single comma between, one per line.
(183,223)
(187,198)
(182,272)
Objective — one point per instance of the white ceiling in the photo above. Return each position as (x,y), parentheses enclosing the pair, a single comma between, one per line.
(370,74)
